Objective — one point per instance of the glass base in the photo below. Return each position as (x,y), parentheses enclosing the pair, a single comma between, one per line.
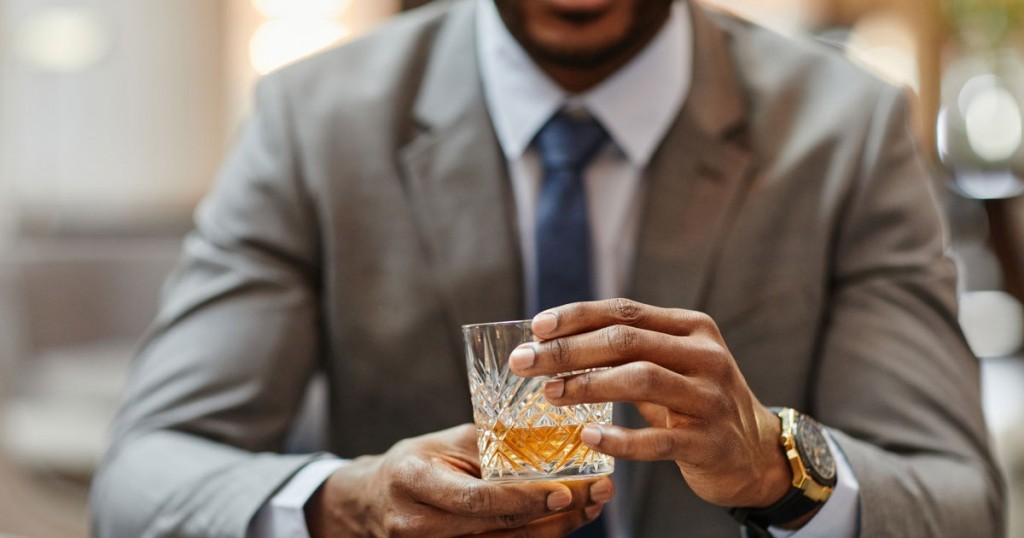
(538,477)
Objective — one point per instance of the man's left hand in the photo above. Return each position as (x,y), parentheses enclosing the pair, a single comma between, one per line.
(675,367)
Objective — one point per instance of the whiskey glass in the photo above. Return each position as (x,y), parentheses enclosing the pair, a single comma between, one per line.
(520,435)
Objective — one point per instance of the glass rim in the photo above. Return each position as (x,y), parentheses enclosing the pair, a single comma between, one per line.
(472,326)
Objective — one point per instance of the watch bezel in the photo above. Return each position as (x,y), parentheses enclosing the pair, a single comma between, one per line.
(807,433)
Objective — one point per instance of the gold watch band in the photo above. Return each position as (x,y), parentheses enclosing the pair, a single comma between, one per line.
(802,479)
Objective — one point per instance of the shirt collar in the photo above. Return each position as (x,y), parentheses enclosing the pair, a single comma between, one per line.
(521,97)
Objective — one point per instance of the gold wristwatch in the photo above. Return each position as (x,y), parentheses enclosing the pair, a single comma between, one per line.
(814,474)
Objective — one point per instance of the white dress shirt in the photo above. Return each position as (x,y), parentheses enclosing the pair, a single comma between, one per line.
(520,99)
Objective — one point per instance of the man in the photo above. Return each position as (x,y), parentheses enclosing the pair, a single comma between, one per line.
(758,200)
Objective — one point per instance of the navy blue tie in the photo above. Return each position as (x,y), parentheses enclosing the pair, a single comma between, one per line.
(567,144)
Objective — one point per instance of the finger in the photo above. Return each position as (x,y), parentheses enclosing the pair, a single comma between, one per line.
(477,509)
(615,345)
(588,316)
(601,491)
(557,525)
(635,382)
(646,444)
(589,496)
(468,496)
(480,505)
(655,415)
(581,498)
(607,346)
(456,447)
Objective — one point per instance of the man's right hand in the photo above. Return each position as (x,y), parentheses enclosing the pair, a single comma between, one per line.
(430,486)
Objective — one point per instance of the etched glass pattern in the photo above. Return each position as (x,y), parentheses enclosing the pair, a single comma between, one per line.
(520,435)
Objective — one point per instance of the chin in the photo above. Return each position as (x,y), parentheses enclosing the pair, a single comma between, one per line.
(575,55)
(584,34)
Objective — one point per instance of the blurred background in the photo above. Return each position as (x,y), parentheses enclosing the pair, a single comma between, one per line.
(114,115)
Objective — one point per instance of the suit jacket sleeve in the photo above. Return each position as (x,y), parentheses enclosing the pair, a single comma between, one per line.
(907,398)
(221,375)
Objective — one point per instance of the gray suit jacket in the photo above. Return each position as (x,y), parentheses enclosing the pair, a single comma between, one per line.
(365,213)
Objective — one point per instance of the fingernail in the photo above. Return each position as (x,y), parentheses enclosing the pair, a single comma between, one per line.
(544,323)
(591,435)
(593,511)
(602,491)
(559,499)
(522,357)
(554,389)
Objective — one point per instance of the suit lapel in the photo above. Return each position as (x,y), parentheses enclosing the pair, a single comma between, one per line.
(695,180)
(459,185)
(696,183)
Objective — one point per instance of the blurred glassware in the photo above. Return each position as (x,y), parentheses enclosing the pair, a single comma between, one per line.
(980,127)
(980,124)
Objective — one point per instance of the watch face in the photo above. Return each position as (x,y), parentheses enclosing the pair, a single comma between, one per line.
(814,451)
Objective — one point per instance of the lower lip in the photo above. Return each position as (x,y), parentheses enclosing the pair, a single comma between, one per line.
(581,5)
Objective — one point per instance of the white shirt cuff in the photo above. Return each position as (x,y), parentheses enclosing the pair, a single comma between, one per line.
(838,516)
(283,516)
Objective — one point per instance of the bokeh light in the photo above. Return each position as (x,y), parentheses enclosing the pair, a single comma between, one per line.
(62,39)
(279,42)
(289,9)
(992,321)
(992,118)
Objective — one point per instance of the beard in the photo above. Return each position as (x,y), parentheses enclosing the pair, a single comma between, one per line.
(646,17)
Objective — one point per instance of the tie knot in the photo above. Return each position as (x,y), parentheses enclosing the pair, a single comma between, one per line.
(569,141)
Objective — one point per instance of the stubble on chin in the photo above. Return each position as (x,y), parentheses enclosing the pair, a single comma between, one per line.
(569,54)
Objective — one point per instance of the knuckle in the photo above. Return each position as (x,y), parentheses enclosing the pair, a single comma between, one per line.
(474,499)
(561,352)
(627,312)
(402,449)
(663,447)
(398,525)
(716,349)
(706,324)
(622,339)
(701,320)
(409,470)
(645,376)
(718,359)
(722,405)
(403,474)
(584,384)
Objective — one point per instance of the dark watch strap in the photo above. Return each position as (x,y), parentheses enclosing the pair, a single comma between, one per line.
(791,506)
